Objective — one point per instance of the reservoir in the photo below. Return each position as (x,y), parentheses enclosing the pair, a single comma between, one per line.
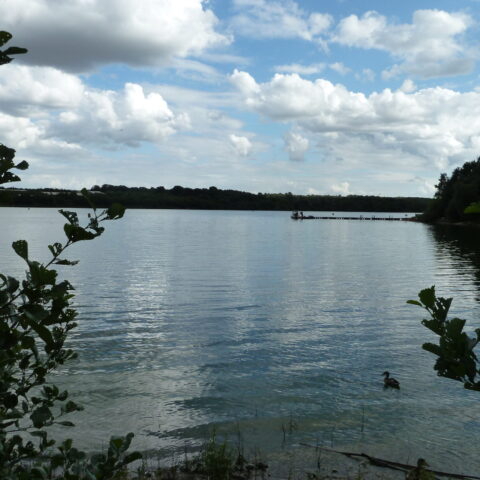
(274,332)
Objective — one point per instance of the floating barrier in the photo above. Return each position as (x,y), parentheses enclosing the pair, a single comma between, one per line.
(342,217)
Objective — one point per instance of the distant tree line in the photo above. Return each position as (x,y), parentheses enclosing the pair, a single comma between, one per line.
(457,197)
(208,199)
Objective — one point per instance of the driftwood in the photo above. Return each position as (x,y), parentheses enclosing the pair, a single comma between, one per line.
(380,462)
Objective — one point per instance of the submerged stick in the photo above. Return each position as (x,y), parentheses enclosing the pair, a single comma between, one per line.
(379,462)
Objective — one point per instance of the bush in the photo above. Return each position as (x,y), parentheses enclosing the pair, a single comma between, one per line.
(36,317)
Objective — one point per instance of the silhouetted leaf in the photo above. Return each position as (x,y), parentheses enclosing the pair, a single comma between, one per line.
(76,233)
(72,217)
(4,37)
(65,262)
(427,297)
(15,51)
(41,416)
(21,248)
(414,302)
(23,165)
(131,457)
(116,210)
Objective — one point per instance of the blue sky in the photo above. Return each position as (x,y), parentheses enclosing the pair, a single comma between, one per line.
(338,97)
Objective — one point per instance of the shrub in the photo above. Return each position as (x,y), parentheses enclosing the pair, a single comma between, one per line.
(36,317)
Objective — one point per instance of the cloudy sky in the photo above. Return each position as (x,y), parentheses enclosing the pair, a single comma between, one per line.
(307,96)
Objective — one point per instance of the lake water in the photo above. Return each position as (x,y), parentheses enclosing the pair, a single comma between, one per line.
(276,332)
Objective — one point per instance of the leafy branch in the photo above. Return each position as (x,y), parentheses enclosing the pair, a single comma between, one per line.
(36,317)
(456,358)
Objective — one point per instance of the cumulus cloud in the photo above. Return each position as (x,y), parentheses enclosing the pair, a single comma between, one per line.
(241,145)
(126,117)
(296,146)
(26,89)
(430,46)
(432,124)
(79,35)
(342,188)
(269,19)
(61,106)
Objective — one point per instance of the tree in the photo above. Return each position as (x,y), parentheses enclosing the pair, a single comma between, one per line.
(455,194)
(36,317)
(455,349)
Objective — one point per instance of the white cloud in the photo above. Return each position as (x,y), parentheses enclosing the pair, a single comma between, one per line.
(436,125)
(428,47)
(340,68)
(79,35)
(241,145)
(408,86)
(23,87)
(296,146)
(342,188)
(126,117)
(60,106)
(301,69)
(270,19)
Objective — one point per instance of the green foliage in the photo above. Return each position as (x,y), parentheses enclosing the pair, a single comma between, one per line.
(457,197)
(455,356)
(473,208)
(35,318)
(4,54)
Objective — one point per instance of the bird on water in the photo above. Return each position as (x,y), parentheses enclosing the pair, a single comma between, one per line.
(420,472)
(389,381)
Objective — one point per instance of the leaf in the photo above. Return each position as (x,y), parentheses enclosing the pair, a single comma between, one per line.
(4,37)
(65,262)
(12,284)
(35,312)
(21,249)
(455,327)
(15,51)
(55,248)
(414,302)
(432,348)
(72,217)
(116,210)
(427,297)
(41,416)
(41,275)
(35,315)
(38,473)
(8,177)
(28,342)
(131,457)
(23,165)
(76,233)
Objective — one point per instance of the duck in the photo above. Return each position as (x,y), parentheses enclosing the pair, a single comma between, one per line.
(420,472)
(389,381)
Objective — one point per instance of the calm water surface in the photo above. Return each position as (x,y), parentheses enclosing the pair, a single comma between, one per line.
(275,331)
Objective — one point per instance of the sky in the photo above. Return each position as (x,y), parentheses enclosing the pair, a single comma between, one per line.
(310,97)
